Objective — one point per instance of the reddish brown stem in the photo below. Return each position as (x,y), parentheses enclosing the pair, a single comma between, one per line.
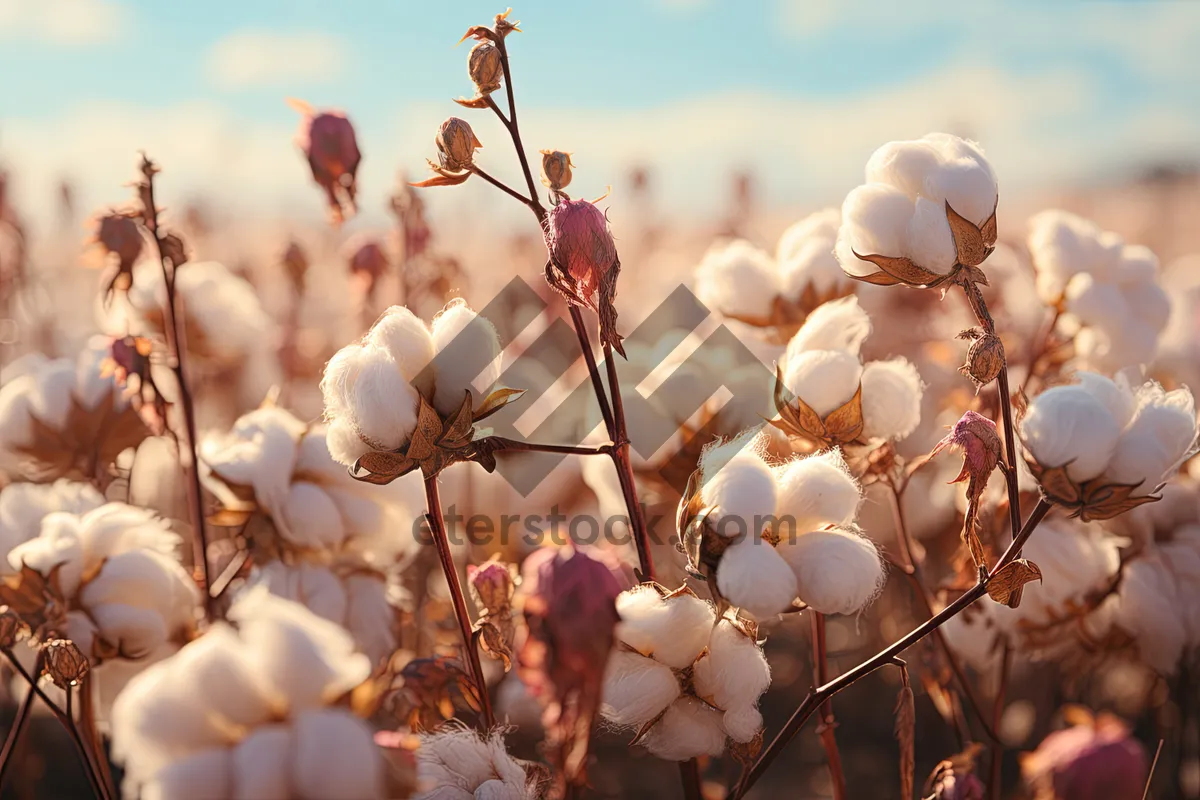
(441,541)
(689,776)
(886,656)
(174,336)
(14,735)
(827,726)
(997,755)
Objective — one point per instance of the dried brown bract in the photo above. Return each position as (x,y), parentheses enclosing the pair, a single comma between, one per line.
(65,663)
(843,425)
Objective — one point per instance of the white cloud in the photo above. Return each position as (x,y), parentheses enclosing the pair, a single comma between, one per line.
(63,22)
(251,58)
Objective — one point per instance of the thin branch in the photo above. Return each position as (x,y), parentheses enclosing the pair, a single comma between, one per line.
(504,187)
(689,776)
(518,446)
(826,728)
(14,735)
(512,125)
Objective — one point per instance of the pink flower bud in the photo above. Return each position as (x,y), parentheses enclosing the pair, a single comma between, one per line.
(119,235)
(580,244)
(491,585)
(328,142)
(367,261)
(1095,759)
(953,786)
(976,436)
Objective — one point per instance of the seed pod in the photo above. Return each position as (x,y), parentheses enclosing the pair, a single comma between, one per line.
(556,169)
(485,68)
(985,357)
(65,662)
(456,144)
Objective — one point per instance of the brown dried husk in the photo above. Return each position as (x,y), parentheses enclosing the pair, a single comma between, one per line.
(1091,500)
(843,425)
(89,441)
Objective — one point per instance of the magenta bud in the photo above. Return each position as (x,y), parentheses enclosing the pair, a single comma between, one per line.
(580,244)
(328,142)
(1095,759)
(491,585)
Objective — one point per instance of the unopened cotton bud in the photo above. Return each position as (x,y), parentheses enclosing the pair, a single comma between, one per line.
(891,399)
(816,491)
(636,689)
(1067,426)
(985,357)
(1161,435)
(409,342)
(732,676)
(737,278)
(824,379)
(836,325)
(752,576)
(64,662)
(743,492)
(556,169)
(671,630)
(689,729)
(837,571)
(580,243)
(456,144)
(486,68)
(467,349)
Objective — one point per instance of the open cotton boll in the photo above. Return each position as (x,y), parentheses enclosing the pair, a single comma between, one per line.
(816,491)
(903,165)
(743,492)
(200,776)
(824,379)
(688,729)
(1148,303)
(1062,245)
(335,758)
(1114,394)
(23,506)
(735,277)
(344,443)
(836,325)
(930,241)
(1096,303)
(1066,425)
(382,405)
(1161,435)
(820,225)
(636,689)
(1148,607)
(339,378)
(261,763)
(259,452)
(467,350)
(837,571)
(455,760)
(752,576)
(891,399)
(408,340)
(732,676)
(309,518)
(671,630)
(316,588)
(874,222)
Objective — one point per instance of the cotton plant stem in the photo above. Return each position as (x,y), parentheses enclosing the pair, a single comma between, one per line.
(517,446)
(91,734)
(174,336)
(886,656)
(913,571)
(997,756)
(624,467)
(14,735)
(827,726)
(689,776)
(437,527)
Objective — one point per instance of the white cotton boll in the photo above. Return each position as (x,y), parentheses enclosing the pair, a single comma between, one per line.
(836,325)
(967,184)
(1138,265)
(382,405)
(259,452)
(816,491)
(499,790)
(344,443)
(891,399)
(737,278)
(836,571)
(824,379)
(339,379)
(1161,435)
(57,543)
(752,576)
(636,689)
(1148,608)
(262,765)
(822,225)
(813,265)
(874,222)
(51,400)
(309,518)
(200,776)
(308,660)
(743,492)
(1074,563)
(408,341)
(904,165)
(1066,425)
(672,631)
(370,618)
(455,757)
(15,409)
(1149,304)
(145,581)
(315,587)
(1113,393)
(930,242)
(467,349)
(688,729)
(23,506)
(335,758)
(1096,303)
(117,527)
(732,677)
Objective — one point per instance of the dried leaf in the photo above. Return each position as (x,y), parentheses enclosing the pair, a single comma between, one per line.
(496,400)
(1005,585)
(968,240)
(906,734)
(479,101)
(442,180)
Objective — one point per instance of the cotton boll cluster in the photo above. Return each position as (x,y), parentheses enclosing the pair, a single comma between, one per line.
(248,712)
(458,764)
(900,210)
(117,565)
(1115,307)
(337,540)
(824,370)
(1101,430)
(58,416)
(805,257)
(372,388)
(694,679)
(23,506)
(738,279)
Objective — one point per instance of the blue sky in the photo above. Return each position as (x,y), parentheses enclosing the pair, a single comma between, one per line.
(799,90)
